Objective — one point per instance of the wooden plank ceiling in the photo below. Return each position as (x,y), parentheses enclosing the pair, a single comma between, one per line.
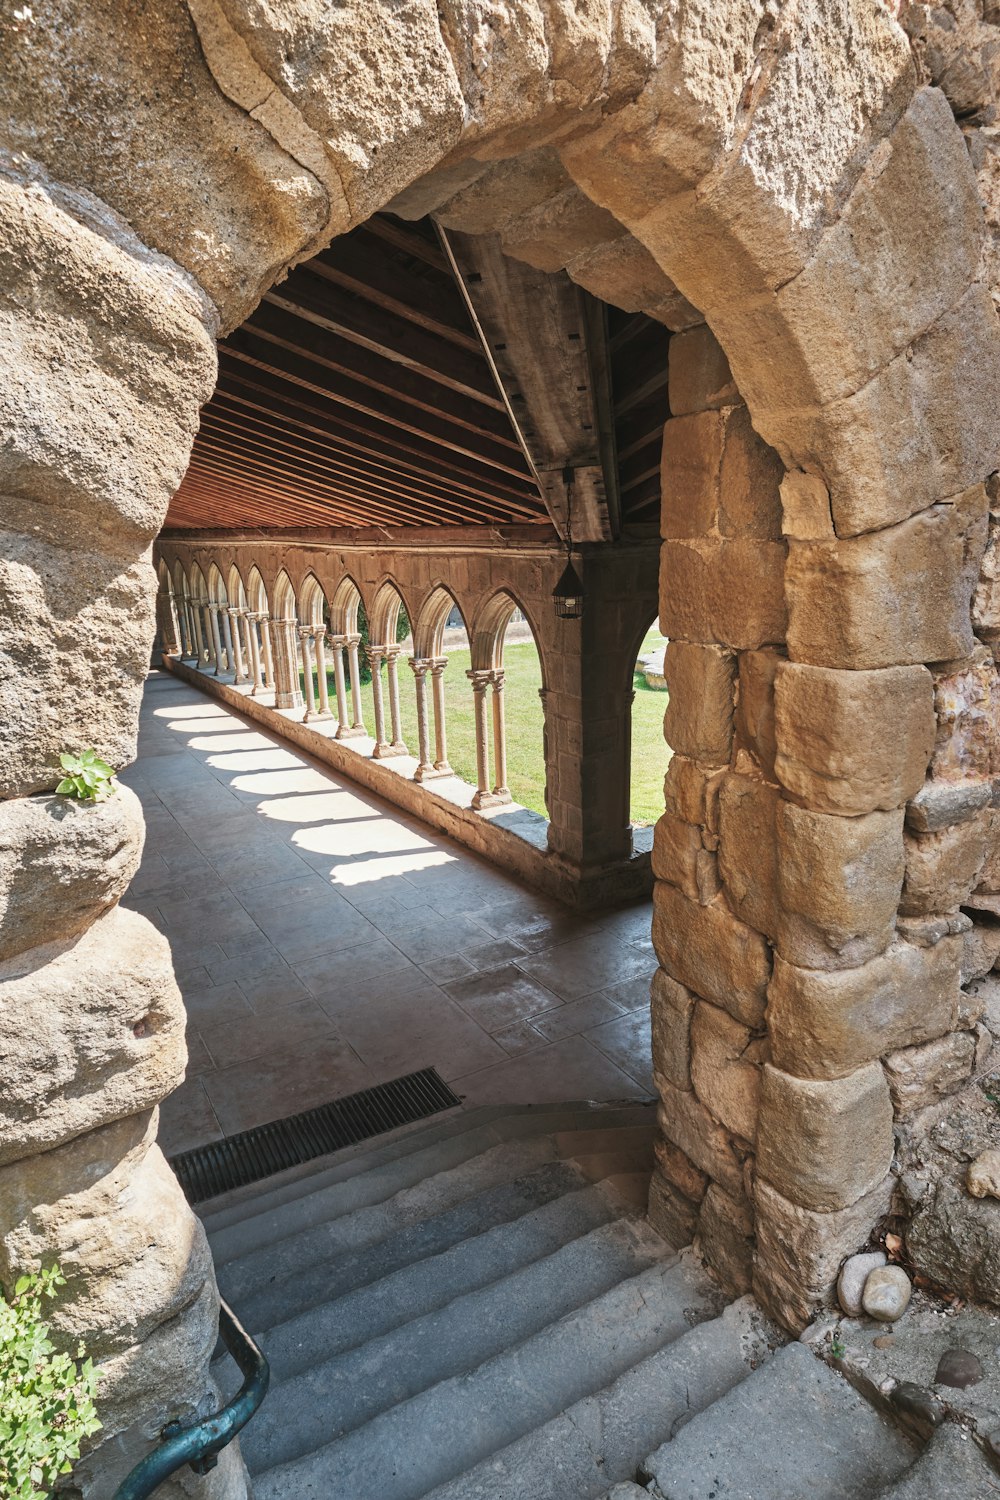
(359,394)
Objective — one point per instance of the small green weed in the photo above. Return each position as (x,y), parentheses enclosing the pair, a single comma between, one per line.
(88,778)
(46,1399)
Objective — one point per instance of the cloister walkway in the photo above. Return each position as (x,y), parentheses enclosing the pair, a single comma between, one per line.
(325,942)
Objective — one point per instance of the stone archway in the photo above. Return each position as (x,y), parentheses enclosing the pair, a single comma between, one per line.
(795,184)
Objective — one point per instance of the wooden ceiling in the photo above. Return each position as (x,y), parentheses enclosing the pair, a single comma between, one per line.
(359,394)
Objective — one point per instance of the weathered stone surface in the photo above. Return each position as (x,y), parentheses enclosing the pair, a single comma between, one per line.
(853,742)
(887,1293)
(851,1281)
(725,1068)
(718,478)
(132,1252)
(851,602)
(671,1008)
(799,1251)
(699,377)
(980,948)
(938,804)
(729,590)
(62,863)
(827,1024)
(61,628)
(676,846)
(698,722)
(679,1170)
(94,1033)
(824,1144)
(87,308)
(623,272)
(755,728)
(551,234)
(924,932)
(691,791)
(986,599)
(838,885)
(686,1123)
(805,508)
(712,953)
(942,868)
(747,850)
(726,1233)
(671,1213)
(983,1175)
(227,179)
(989,875)
(967,703)
(921,1076)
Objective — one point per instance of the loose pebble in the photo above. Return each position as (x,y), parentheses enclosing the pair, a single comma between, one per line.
(887,1293)
(851,1281)
(983,1176)
(884,1341)
(918,1402)
(958,1368)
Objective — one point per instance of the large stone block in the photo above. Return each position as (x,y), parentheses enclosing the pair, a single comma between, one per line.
(110,1211)
(711,952)
(691,791)
(939,804)
(855,603)
(78,626)
(853,742)
(94,1033)
(838,885)
(114,354)
(726,1060)
(679,1170)
(828,1024)
(921,1076)
(799,1251)
(63,863)
(698,722)
(942,868)
(671,1213)
(718,478)
(755,730)
(729,591)
(687,1124)
(967,704)
(726,1235)
(824,1144)
(747,850)
(671,1008)
(676,847)
(699,377)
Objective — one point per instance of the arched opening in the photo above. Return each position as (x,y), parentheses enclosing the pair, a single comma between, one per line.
(440,630)
(506,669)
(649,753)
(389,640)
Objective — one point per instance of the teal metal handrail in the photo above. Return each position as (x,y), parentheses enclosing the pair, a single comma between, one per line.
(201,1444)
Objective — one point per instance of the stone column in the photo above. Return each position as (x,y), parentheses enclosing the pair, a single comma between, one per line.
(235,622)
(228,640)
(253,647)
(425,766)
(376,656)
(441,765)
(187,633)
(343,727)
(392,655)
(480,682)
(357,723)
(287,692)
(199,634)
(214,636)
(501,791)
(305,638)
(319,638)
(265,637)
(166,620)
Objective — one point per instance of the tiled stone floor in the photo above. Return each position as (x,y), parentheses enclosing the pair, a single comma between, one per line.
(324,941)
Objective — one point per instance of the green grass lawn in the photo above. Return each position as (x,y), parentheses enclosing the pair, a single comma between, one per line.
(523,708)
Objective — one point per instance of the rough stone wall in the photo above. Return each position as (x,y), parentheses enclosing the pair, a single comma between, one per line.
(586,664)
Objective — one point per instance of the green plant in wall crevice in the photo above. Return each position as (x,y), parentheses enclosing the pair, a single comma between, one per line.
(88,778)
(46,1398)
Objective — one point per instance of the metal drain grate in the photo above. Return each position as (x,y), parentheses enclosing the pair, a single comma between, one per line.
(255,1154)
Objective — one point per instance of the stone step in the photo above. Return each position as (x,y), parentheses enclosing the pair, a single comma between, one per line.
(254,1253)
(415,1145)
(431,1438)
(368,1312)
(794,1429)
(951,1465)
(278,1301)
(334,1396)
(607,1435)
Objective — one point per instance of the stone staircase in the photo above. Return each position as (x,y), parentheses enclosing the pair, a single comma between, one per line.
(477,1310)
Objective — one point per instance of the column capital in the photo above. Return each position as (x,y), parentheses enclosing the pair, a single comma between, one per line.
(480,677)
(420,665)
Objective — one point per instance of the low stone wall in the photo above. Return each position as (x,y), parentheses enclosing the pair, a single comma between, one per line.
(521,850)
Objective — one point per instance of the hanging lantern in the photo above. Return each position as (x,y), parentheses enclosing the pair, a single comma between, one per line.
(567,596)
